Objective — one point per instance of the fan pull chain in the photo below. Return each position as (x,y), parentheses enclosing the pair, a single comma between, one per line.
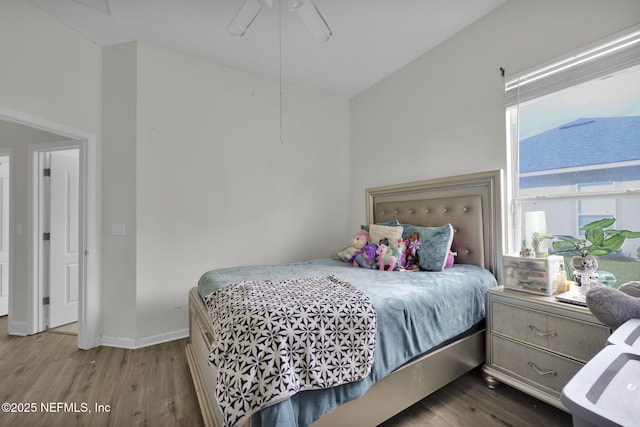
(280,68)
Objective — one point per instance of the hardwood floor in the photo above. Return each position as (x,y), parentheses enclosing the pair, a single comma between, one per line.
(152,387)
(69,329)
(146,387)
(469,402)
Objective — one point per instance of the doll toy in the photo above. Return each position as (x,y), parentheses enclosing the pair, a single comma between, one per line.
(413,245)
(366,257)
(386,259)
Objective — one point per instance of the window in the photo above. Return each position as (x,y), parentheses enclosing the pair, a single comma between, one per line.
(573,130)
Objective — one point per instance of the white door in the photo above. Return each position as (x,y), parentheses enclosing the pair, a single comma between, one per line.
(64,227)
(4,235)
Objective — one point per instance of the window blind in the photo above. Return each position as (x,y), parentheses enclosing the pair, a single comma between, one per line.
(617,53)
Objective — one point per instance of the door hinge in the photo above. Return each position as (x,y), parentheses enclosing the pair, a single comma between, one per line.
(45,301)
(46,236)
(46,172)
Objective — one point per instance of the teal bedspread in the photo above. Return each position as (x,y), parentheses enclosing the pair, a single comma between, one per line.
(416,312)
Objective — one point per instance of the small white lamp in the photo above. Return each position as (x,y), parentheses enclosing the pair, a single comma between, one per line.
(535,226)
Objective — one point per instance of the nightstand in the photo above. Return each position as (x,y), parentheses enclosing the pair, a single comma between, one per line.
(537,344)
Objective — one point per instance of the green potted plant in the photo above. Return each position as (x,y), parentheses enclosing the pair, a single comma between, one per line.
(598,241)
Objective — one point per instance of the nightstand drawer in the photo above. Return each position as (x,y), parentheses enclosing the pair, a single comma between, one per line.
(544,370)
(572,338)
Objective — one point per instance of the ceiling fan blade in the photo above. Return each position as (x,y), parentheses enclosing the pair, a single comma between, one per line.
(312,18)
(245,16)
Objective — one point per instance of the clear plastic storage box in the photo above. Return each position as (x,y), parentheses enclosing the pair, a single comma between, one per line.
(534,275)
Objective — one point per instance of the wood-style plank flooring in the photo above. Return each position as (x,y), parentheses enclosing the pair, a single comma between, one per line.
(152,387)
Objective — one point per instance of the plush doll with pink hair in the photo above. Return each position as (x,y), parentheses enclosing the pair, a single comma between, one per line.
(386,259)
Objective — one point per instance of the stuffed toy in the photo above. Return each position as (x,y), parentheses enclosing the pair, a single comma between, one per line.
(366,257)
(360,239)
(401,254)
(386,258)
(413,245)
(450,259)
(613,307)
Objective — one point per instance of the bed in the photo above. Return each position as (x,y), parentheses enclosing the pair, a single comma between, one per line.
(404,370)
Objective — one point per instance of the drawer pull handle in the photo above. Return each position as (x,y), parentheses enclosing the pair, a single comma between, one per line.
(540,333)
(535,368)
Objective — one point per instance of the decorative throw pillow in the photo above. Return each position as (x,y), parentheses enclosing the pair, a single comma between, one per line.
(392,223)
(435,244)
(378,232)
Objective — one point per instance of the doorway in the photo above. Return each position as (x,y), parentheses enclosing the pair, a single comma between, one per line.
(24,305)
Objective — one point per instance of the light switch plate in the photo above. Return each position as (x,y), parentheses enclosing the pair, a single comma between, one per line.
(118,229)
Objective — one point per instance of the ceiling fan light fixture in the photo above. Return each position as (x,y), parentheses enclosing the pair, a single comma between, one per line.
(312,18)
(294,4)
(307,11)
(245,16)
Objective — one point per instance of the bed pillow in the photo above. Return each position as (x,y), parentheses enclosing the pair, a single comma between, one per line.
(392,223)
(435,244)
(378,232)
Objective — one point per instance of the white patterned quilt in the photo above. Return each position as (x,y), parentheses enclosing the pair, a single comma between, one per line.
(273,339)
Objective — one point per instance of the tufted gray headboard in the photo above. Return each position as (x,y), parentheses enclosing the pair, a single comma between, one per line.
(470,203)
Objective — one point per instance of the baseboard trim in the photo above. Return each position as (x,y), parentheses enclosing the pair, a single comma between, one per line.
(132,343)
(18,328)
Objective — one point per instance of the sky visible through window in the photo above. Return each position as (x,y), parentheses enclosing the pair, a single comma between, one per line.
(612,96)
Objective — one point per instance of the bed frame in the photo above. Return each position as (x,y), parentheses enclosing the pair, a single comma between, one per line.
(472,204)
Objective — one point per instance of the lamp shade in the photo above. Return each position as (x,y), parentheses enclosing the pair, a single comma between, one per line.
(535,226)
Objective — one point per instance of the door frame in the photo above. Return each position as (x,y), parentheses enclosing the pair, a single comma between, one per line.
(89,310)
(8,152)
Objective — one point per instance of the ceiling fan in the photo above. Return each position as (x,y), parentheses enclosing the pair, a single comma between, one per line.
(306,9)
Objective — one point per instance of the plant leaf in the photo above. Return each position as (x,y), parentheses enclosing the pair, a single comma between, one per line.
(595,236)
(602,223)
(564,246)
(629,234)
(568,238)
(614,242)
(600,251)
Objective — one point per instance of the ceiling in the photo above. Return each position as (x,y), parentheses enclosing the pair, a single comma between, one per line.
(371,38)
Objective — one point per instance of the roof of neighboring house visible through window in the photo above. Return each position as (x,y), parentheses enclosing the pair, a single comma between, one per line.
(583,142)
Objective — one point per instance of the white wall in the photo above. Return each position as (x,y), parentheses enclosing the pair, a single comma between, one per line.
(209,183)
(444,113)
(119,192)
(49,72)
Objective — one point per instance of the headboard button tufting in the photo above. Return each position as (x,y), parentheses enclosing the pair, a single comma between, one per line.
(411,211)
(426,210)
(465,209)
(467,251)
(397,212)
(384,212)
(445,209)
